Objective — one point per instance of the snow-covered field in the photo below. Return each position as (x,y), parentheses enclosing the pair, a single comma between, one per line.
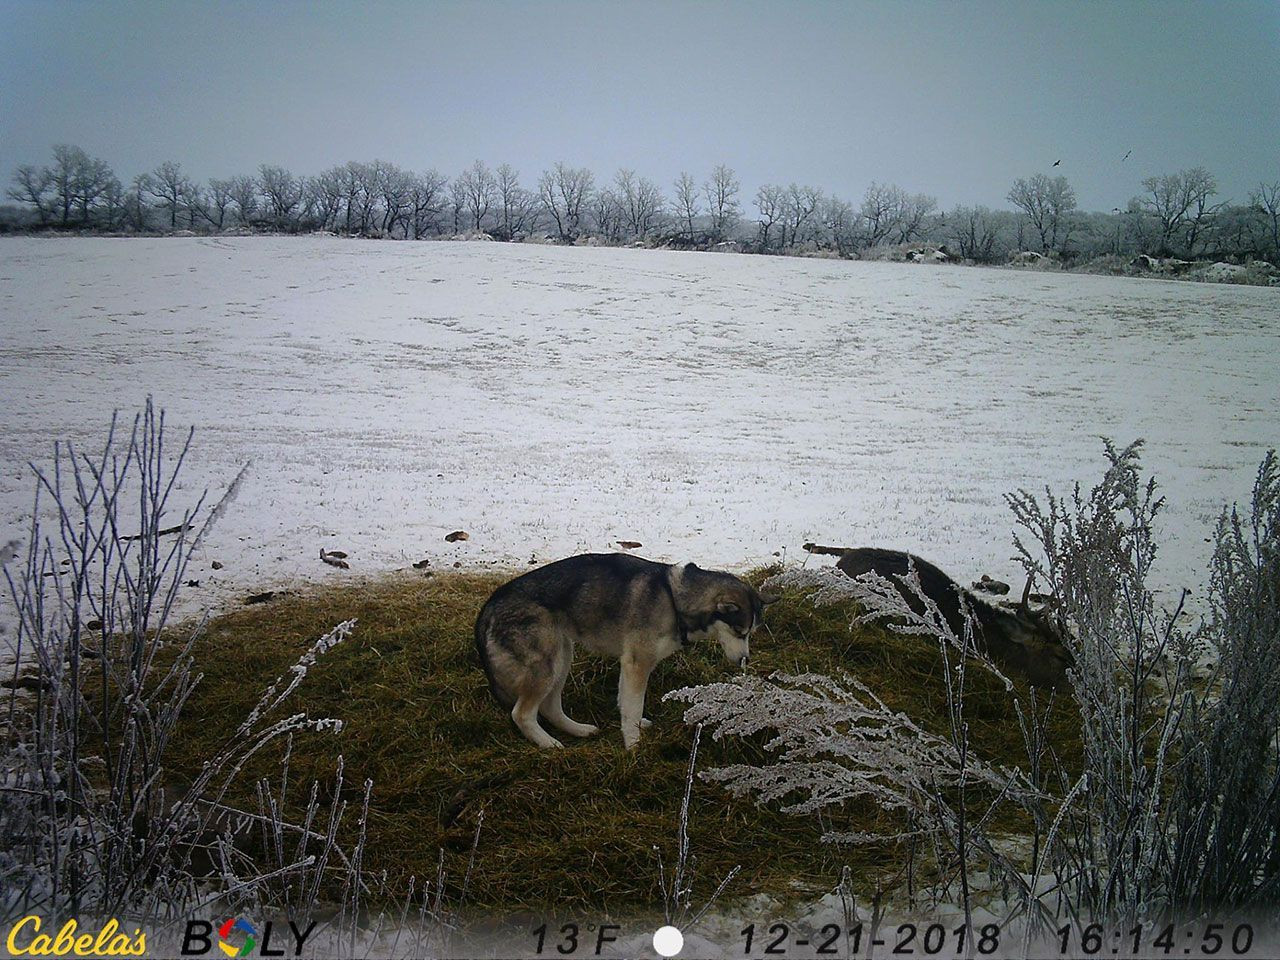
(552,400)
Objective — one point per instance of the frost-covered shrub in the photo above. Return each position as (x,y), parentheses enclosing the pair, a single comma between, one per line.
(1226,813)
(91,821)
(1182,814)
(834,740)
(1174,810)
(1130,682)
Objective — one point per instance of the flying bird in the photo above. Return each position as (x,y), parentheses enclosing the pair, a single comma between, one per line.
(1056,162)
(1125,157)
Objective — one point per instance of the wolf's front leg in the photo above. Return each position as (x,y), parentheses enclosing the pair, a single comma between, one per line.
(631,686)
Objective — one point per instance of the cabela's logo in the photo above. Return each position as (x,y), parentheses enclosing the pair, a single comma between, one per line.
(26,940)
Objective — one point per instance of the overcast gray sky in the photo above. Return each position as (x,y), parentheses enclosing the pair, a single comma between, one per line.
(952,99)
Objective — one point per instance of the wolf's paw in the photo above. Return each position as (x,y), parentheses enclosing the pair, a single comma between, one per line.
(645,723)
(582,730)
(552,744)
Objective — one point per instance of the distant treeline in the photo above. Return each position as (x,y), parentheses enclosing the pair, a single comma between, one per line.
(1178,215)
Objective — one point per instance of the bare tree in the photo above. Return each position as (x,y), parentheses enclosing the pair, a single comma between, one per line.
(427,203)
(521,209)
(512,201)
(74,181)
(91,179)
(357,201)
(346,182)
(798,210)
(458,204)
(114,204)
(170,187)
(771,201)
(563,190)
(721,192)
(244,197)
(32,185)
(282,191)
(609,212)
(62,177)
(880,210)
(1047,203)
(839,223)
(218,202)
(686,203)
(394,187)
(477,187)
(974,230)
(625,199)
(641,202)
(1180,202)
(193,204)
(366,199)
(1237,229)
(360,197)
(1266,201)
(650,211)
(575,187)
(551,202)
(913,217)
(135,207)
(322,198)
(1140,227)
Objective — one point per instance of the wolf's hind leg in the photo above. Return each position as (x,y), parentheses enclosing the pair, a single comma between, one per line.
(537,686)
(525,714)
(522,656)
(553,710)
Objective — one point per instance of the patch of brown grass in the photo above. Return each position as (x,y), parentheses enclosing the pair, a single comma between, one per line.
(570,829)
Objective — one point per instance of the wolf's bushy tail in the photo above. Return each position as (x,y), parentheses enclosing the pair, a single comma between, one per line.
(484,623)
(829,551)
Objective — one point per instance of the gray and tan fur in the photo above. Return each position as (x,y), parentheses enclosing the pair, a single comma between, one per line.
(1026,641)
(616,605)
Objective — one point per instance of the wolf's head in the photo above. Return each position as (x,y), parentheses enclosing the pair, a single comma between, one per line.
(1031,640)
(712,603)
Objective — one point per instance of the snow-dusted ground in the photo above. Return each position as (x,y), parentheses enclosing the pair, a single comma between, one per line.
(551,400)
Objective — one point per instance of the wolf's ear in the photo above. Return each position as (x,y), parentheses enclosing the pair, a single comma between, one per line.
(726,606)
(768,598)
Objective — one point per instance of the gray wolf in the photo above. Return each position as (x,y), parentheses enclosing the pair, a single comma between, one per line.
(616,605)
(1029,642)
